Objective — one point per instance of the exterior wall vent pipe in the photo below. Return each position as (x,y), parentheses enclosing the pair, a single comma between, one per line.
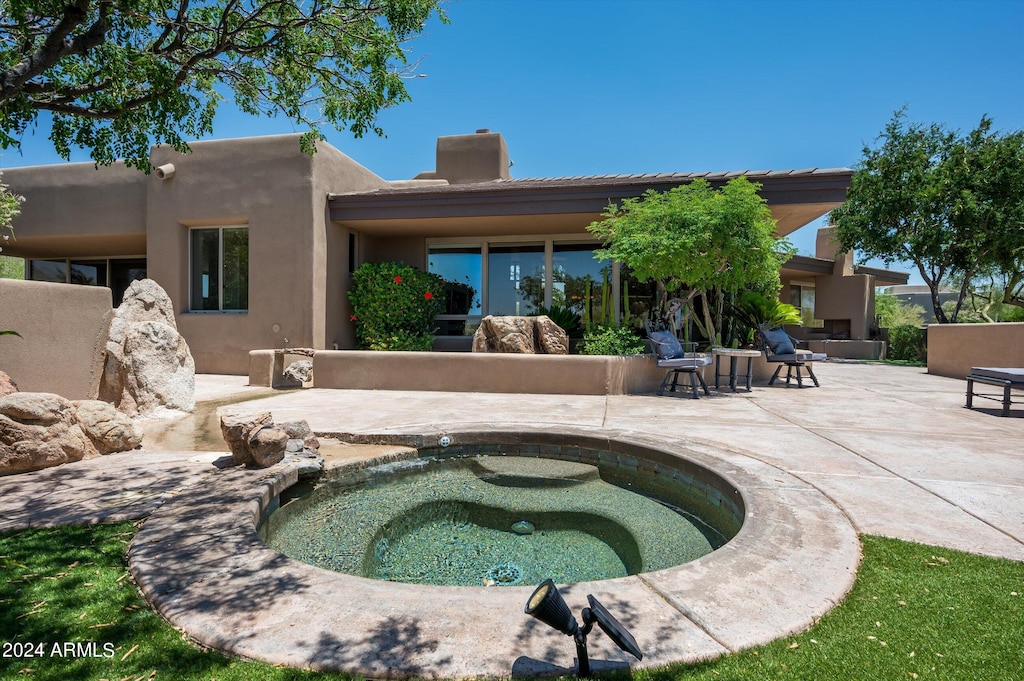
(165,172)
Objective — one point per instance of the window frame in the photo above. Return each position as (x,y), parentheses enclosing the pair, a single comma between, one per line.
(220,268)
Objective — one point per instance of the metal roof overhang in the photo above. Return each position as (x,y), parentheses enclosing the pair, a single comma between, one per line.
(499,207)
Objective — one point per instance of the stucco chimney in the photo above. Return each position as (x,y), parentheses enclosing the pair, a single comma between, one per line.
(827,247)
(480,157)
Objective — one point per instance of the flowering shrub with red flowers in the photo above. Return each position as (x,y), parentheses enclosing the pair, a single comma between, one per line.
(394,306)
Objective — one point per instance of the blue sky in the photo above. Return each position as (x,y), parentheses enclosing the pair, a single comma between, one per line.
(591,87)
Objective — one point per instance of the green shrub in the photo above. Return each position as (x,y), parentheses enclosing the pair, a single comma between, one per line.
(907,343)
(394,306)
(612,340)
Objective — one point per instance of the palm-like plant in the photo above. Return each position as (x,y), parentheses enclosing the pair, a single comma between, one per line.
(755,311)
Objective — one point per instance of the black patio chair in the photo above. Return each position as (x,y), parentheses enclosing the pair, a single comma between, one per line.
(780,348)
(670,355)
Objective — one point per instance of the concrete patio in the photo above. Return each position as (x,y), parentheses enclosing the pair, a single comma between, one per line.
(877,449)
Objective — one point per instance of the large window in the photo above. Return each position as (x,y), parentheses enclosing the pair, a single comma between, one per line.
(220,269)
(515,279)
(580,282)
(115,273)
(462,269)
(518,277)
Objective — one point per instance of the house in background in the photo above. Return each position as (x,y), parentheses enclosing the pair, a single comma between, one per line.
(255,242)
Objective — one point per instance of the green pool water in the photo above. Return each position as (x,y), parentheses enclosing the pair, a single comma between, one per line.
(489,521)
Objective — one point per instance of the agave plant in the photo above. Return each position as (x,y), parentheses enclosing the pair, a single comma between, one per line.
(755,310)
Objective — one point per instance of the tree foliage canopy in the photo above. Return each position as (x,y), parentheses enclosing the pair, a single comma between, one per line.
(696,237)
(951,204)
(117,76)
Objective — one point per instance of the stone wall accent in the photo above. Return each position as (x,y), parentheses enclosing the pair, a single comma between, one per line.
(148,364)
(520,335)
(40,430)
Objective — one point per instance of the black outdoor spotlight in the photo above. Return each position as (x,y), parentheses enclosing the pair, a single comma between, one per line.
(547,605)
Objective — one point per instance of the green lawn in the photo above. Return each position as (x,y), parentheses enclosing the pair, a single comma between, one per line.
(916,612)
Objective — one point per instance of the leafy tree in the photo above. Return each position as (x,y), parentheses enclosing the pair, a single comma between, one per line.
(953,205)
(116,77)
(705,243)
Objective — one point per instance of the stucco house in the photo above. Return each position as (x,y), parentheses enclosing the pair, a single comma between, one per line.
(255,241)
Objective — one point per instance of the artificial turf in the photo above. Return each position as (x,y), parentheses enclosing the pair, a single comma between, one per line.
(915,612)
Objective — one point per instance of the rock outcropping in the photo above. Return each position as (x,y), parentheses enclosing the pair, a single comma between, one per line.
(40,430)
(521,335)
(147,364)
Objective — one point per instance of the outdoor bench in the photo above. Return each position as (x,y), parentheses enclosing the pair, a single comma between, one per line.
(1003,377)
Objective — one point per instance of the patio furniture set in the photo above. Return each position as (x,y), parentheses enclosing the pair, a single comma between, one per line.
(778,347)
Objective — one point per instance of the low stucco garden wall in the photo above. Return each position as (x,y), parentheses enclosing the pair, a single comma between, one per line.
(63,329)
(954,348)
(469,372)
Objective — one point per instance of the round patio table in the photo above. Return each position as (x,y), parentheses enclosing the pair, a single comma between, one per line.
(734,355)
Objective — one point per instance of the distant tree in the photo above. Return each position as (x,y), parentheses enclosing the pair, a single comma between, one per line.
(893,312)
(701,242)
(953,205)
(116,77)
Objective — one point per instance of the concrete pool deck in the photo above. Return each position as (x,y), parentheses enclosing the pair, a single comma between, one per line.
(888,450)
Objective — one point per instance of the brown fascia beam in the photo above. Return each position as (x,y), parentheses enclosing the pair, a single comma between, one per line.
(576,197)
(883,277)
(804,263)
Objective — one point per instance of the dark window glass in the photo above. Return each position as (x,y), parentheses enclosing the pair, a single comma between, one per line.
(89,272)
(205,269)
(220,268)
(48,270)
(123,271)
(462,268)
(236,268)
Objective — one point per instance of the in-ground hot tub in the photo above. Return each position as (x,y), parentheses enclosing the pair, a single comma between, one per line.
(457,516)
(201,563)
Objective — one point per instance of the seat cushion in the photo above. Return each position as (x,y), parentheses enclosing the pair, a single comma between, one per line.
(684,362)
(1002,373)
(799,357)
(778,341)
(666,345)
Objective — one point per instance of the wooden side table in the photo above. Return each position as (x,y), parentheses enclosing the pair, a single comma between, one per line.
(734,355)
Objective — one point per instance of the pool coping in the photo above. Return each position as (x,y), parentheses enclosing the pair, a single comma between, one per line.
(200,563)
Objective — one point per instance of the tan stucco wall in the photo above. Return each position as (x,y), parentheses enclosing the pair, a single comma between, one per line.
(63,329)
(850,297)
(78,210)
(280,193)
(468,372)
(954,348)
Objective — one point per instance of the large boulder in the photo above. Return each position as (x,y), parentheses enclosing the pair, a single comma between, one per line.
(520,335)
(108,429)
(39,430)
(147,363)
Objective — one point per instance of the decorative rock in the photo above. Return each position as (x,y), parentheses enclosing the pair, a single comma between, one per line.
(7,385)
(300,430)
(148,363)
(301,371)
(237,429)
(520,335)
(38,430)
(107,428)
(551,338)
(267,445)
